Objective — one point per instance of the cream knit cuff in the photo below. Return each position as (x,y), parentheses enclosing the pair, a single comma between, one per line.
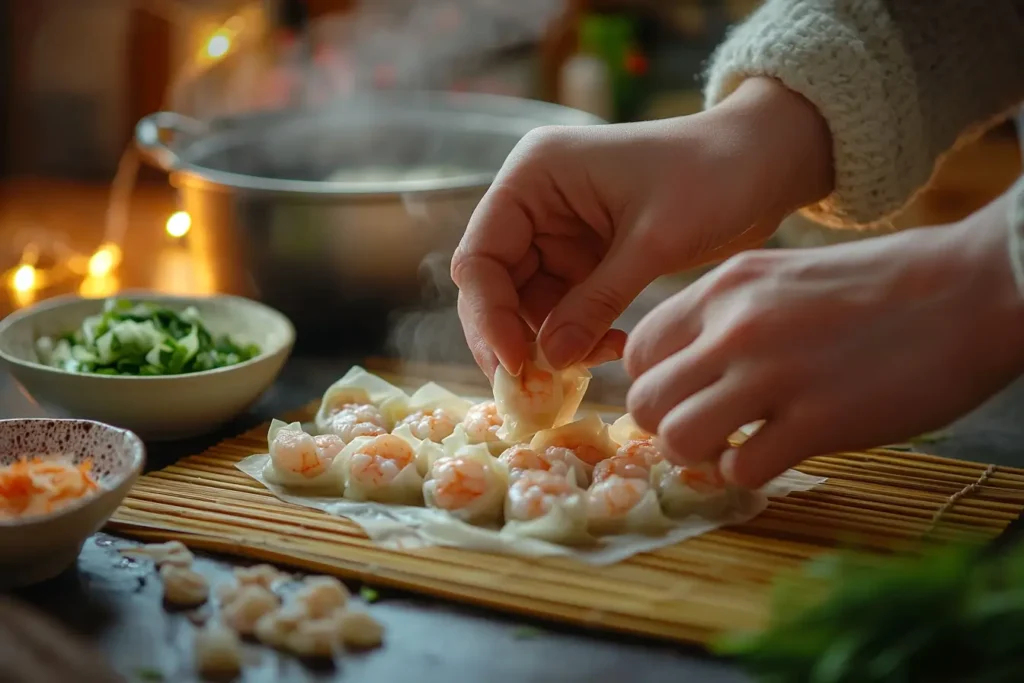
(1016,221)
(857,79)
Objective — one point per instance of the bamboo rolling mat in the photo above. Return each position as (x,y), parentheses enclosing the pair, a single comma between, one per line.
(690,592)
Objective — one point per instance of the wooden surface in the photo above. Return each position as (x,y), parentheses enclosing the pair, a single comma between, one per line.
(687,593)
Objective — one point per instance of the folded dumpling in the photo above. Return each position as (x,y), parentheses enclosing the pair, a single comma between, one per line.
(562,462)
(694,490)
(618,505)
(382,469)
(351,407)
(547,507)
(431,413)
(470,484)
(300,460)
(587,438)
(539,398)
(482,424)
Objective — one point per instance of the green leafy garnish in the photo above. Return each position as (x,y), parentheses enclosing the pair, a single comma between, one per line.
(369,594)
(149,674)
(142,339)
(948,615)
(527,633)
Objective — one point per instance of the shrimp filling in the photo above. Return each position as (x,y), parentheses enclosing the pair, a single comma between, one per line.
(297,452)
(482,423)
(615,496)
(533,494)
(429,426)
(330,445)
(520,458)
(380,461)
(458,482)
(702,478)
(643,449)
(586,452)
(352,421)
(625,466)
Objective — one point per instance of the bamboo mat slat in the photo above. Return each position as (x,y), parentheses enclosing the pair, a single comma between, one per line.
(880,500)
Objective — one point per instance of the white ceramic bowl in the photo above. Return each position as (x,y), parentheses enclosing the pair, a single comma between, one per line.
(33,549)
(156,408)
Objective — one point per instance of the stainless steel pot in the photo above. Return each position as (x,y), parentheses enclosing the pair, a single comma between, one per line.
(330,215)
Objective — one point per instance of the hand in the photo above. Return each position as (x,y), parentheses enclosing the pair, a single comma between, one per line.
(33,649)
(581,219)
(838,348)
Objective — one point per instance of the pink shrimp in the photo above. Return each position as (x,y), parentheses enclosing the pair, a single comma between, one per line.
(615,496)
(521,458)
(587,452)
(354,420)
(378,462)
(536,386)
(704,478)
(297,452)
(458,482)
(429,426)
(534,493)
(330,445)
(482,423)
(644,449)
(622,465)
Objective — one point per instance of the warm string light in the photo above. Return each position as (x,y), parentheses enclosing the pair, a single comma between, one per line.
(178,224)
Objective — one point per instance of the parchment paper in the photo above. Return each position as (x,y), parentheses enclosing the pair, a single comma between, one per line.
(406,527)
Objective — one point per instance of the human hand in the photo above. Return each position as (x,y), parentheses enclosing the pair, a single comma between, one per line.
(837,348)
(34,649)
(581,219)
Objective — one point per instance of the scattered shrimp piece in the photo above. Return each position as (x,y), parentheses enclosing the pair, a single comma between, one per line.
(322,595)
(359,630)
(170,553)
(274,627)
(429,425)
(314,638)
(262,575)
(535,492)
(218,651)
(184,587)
(247,606)
(482,423)
(37,486)
(378,462)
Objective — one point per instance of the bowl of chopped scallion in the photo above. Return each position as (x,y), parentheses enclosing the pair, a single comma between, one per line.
(165,367)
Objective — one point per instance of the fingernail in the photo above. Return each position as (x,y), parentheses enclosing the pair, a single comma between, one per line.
(727,465)
(567,346)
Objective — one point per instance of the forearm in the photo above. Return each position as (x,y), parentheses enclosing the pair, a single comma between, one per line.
(899,83)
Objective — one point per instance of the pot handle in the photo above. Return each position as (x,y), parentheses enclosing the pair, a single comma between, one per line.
(150,130)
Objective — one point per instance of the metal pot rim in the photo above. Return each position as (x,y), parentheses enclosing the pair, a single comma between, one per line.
(515,115)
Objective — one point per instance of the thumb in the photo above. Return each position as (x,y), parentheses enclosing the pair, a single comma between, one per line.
(586,312)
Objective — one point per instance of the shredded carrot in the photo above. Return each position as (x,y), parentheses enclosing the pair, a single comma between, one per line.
(38,486)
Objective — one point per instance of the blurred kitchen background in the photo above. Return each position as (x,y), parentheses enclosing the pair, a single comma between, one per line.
(83,209)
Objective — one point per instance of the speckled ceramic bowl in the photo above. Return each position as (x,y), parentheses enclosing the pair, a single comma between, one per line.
(156,408)
(33,549)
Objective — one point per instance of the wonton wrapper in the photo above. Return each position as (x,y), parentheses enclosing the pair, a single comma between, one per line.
(645,517)
(404,489)
(328,481)
(587,438)
(524,416)
(625,429)
(565,523)
(428,398)
(489,506)
(679,500)
(357,386)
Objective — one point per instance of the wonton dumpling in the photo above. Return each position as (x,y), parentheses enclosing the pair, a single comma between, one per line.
(587,438)
(384,469)
(297,461)
(699,490)
(618,505)
(432,411)
(539,398)
(357,387)
(470,484)
(547,507)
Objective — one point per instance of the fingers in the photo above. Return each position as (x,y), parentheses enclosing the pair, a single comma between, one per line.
(670,326)
(697,429)
(583,316)
(488,307)
(666,385)
(608,350)
(778,445)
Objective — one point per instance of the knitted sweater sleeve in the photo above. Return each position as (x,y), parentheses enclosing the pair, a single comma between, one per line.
(900,83)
